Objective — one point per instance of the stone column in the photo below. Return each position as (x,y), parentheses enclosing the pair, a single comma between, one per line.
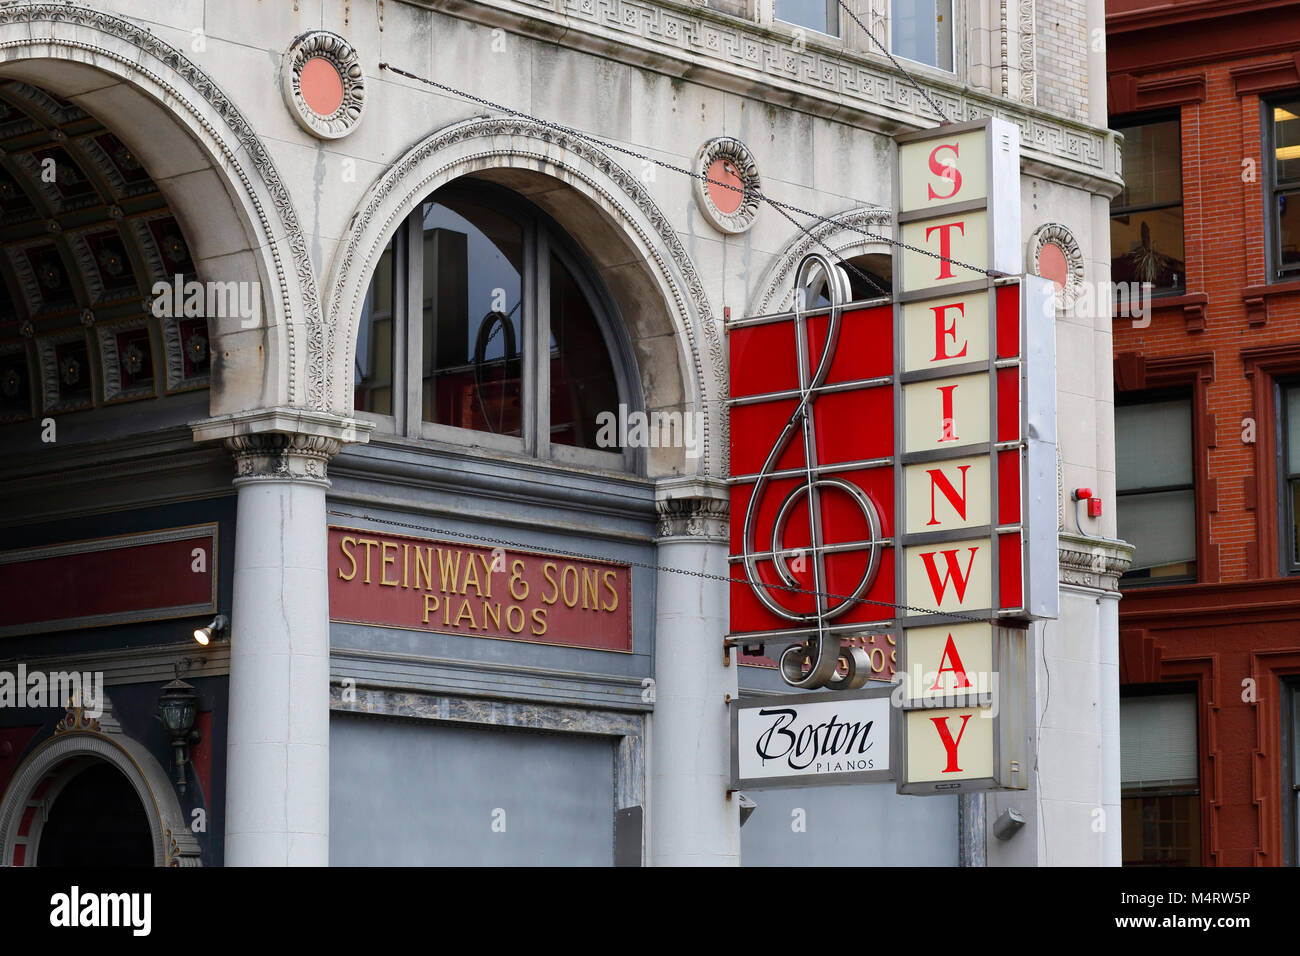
(277,750)
(693,821)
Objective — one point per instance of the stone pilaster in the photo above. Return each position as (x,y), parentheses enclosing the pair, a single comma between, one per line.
(693,819)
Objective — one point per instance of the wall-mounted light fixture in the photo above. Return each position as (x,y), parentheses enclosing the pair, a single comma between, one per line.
(204,635)
(177,708)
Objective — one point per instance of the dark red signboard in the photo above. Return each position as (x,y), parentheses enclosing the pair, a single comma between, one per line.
(137,577)
(451,588)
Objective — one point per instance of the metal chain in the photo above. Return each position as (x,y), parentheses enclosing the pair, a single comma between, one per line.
(743,190)
(487,539)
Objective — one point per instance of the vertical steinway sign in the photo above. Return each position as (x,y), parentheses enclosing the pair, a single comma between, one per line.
(975,470)
(894,470)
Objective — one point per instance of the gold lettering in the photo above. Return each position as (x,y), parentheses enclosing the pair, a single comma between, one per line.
(511,611)
(429,607)
(548,572)
(492,611)
(470,569)
(424,563)
(487,573)
(517,574)
(590,589)
(539,621)
(406,565)
(564,583)
(385,562)
(610,577)
(447,570)
(465,612)
(369,543)
(446,613)
(343,546)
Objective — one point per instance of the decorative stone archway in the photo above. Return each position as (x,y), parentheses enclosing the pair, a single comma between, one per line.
(217,176)
(631,242)
(842,236)
(79,741)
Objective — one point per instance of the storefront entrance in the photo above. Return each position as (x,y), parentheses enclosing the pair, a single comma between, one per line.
(96,820)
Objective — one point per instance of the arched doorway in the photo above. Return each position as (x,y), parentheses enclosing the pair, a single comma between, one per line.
(95,820)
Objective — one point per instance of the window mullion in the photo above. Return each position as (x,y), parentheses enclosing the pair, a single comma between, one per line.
(539,349)
(413,379)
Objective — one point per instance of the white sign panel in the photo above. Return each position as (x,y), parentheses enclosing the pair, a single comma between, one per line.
(823,739)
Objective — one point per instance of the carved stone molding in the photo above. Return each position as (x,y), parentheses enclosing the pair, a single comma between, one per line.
(1054,233)
(693,508)
(726,210)
(163,71)
(276,456)
(507,142)
(339,56)
(843,236)
(1028,71)
(78,741)
(1091,562)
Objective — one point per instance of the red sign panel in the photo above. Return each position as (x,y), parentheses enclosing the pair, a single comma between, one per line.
(451,588)
(137,577)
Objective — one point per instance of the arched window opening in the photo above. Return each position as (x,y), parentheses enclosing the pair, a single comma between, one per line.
(499,327)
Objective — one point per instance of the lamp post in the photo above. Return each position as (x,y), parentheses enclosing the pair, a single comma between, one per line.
(177,708)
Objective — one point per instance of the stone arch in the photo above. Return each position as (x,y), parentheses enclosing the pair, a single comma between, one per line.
(217,176)
(842,235)
(78,742)
(631,243)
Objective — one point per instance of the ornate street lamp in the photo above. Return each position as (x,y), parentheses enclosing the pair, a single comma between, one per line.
(177,708)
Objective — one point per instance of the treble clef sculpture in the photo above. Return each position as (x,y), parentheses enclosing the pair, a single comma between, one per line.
(813,663)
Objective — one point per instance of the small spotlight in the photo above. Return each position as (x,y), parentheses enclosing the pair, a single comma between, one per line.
(204,635)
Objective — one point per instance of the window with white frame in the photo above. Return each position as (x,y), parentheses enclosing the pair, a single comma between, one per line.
(820,15)
(922,31)
(485,325)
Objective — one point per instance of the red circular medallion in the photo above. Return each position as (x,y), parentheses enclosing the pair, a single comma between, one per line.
(722,173)
(1052,264)
(321,85)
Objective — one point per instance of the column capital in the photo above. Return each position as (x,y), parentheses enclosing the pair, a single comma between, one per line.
(282,444)
(692,507)
(1092,562)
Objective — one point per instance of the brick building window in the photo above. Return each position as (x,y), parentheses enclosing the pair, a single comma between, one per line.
(1146,219)
(1282,136)
(1160,803)
(820,15)
(1289,467)
(921,30)
(1155,492)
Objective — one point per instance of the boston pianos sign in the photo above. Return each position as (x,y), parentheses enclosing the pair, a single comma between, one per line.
(894,470)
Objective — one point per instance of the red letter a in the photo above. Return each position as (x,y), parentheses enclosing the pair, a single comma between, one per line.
(957,667)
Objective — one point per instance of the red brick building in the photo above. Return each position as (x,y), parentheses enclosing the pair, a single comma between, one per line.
(1207,391)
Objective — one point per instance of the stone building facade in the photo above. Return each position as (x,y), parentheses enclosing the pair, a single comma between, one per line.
(201,139)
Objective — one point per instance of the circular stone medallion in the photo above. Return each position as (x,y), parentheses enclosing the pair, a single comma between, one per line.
(323,84)
(726,184)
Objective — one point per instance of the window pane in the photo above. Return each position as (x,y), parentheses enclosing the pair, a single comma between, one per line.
(1295,522)
(1288,229)
(1158,741)
(1162,526)
(473,322)
(1148,247)
(1153,445)
(1292,398)
(1286,140)
(1161,831)
(373,371)
(814,14)
(582,378)
(921,30)
(1152,160)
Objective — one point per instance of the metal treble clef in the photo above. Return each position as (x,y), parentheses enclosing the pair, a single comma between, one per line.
(815,662)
